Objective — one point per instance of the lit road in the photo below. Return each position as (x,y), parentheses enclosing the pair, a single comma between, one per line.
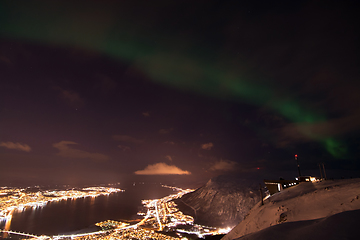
(160,213)
(157,216)
(23,234)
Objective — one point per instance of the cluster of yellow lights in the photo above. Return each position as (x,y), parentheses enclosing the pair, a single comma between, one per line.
(160,214)
(112,224)
(311,179)
(130,233)
(18,199)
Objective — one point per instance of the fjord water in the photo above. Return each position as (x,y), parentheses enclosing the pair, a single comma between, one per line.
(72,215)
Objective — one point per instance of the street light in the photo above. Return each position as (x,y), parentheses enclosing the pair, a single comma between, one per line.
(298,166)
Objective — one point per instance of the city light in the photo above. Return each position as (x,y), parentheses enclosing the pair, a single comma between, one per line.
(160,216)
(18,199)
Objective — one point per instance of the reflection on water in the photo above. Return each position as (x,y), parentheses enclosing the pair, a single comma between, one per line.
(8,223)
(74,214)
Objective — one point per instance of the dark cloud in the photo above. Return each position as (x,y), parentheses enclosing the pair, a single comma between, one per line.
(124,148)
(126,138)
(106,85)
(207,146)
(166,131)
(320,130)
(16,146)
(224,165)
(146,114)
(68,152)
(71,98)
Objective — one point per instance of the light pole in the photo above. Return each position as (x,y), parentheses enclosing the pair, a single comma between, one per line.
(324,170)
(298,166)
(320,171)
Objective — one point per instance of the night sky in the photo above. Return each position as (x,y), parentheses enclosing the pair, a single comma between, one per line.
(108,91)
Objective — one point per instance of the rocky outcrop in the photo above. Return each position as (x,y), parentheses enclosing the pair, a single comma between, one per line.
(222,202)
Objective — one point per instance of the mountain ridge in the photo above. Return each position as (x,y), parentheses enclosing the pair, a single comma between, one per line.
(304,202)
(222,202)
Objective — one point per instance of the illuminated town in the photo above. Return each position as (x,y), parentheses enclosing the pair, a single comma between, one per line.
(161,217)
(20,198)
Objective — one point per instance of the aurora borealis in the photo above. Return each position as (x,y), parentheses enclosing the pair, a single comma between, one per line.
(291,66)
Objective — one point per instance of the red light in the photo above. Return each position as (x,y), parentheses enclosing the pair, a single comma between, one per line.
(295,155)
(258,168)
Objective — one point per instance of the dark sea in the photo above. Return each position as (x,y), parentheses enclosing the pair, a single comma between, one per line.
(72,215)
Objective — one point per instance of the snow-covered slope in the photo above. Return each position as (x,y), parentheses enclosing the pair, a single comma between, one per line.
(307,201)
(223,201)
(343,225)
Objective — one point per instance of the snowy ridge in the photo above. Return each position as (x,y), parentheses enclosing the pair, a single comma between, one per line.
(307,201)
(339,226)
(223,201)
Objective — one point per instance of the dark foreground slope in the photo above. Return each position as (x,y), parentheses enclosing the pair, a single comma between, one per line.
(222,202)
(317,201)
(343,225)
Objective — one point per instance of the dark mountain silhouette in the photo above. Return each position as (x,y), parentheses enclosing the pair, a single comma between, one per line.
(222,202)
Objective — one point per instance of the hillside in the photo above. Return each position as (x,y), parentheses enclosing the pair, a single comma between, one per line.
(223,201)
(295,207)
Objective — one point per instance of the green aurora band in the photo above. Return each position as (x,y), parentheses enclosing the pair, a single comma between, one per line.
(192,67)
